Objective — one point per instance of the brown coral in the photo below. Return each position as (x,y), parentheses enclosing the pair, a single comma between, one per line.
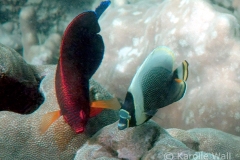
(18,84)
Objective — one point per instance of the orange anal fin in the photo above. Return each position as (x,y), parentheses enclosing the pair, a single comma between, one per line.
(48,119)
(178,80)
(107,104)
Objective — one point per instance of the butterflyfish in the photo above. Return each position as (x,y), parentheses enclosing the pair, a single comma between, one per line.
(155,85)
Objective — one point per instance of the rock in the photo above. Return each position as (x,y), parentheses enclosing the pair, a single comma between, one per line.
(35,53)
(150,141)
(20,133)
(189,140)
(206,37)
(236,6)
(9,10)
(9,36)
(18,83)
(38,26)
(217,142)
(221,144)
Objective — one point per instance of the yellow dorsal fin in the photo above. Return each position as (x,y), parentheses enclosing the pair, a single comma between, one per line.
(181,72)
(185,70)
(107,104)
(48,119)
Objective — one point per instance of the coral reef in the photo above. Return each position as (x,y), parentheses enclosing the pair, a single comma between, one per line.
(9,9)
(208,38)
(34,53)
(40,24)
(149,141)
(209,140)
(10,35)
(20,134)
(236,6)
(51,17)
(18,82)
(203,33)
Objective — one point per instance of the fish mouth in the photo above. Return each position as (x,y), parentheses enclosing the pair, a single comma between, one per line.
(124,119)
(121,126)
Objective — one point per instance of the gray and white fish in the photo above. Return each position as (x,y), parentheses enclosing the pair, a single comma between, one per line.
(155,85)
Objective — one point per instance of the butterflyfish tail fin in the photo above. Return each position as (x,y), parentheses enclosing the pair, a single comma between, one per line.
(179,86)
(177,90)
(182,71)
(107,104)
(48,119)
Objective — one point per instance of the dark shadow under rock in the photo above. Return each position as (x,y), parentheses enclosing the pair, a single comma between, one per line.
(18,84)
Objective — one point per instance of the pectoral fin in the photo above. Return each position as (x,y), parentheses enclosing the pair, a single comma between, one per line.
(48,119)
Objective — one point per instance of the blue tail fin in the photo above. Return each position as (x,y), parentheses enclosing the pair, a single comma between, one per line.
(102,7)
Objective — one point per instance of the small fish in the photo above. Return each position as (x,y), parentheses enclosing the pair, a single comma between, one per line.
(155,85)
(81,53)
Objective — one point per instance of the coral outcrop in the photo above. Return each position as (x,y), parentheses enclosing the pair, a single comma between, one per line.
(149,141)
(18,83)
(209,140)
(39,25)
(206,36)
(35,53)
(20,134)
(10,35)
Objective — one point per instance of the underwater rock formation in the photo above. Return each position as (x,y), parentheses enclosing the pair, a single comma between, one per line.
(39,24)
(18,84)
(209,140)
(33,52)
(20,134)
(208,39)
(149,141)
(9,36)
(236,6)
(21,137)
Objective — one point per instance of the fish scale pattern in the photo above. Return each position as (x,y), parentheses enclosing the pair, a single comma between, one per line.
(155,86)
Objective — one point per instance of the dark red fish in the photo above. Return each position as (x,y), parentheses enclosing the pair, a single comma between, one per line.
(81,53)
